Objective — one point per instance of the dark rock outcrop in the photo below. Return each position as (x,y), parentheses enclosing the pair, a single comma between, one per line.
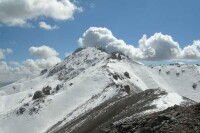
(46,90)
(43,71)
(194,86)
(116,76)
(38,94)
(127,75)
(21,110)
(127,88)
(58,87)
(116,55)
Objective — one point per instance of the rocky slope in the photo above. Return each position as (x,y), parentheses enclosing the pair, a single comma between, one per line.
(176,119)
(119,109)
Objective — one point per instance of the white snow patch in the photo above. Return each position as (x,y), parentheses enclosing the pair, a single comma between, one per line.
(168,100)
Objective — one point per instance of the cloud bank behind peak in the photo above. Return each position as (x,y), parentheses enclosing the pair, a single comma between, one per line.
(155,48)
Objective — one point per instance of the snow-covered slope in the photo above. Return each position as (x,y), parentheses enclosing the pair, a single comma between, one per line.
(79,78)
(85,80)
(183,79)
(118,109)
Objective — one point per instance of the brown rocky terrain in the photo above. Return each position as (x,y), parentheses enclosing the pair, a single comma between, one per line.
(176,119)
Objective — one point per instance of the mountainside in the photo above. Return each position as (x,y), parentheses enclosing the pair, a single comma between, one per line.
(90,89)
(118,110)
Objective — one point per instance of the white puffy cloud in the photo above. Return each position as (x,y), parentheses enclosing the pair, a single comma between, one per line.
(15,70)
(99,37)
(18,12)
(104,38)
(10,72)
(43,51)
(47,58)
(5,51)
(45,26)
(39,64)
(191,51)
(157,47)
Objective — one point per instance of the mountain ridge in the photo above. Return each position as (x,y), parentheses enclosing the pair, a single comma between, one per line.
(84,81)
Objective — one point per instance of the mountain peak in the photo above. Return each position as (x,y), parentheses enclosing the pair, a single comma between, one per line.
(90,82)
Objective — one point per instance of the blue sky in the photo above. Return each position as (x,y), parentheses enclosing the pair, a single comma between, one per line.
(38,37)
(127,19)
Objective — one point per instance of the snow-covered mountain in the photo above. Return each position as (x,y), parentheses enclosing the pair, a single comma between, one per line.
(92,87)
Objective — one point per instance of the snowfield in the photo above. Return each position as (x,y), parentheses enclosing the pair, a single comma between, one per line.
(85,80)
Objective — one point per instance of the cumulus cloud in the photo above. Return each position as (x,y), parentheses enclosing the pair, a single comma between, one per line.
(159,47)
(43,51)
(15,70)
(99,37)
(155,48)
(18,13)
(191,51)
(47,58)
(45,26)
(5,51)
(39,64)
(104,38)
(10,72)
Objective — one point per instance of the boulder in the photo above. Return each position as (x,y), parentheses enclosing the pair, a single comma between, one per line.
(194,86)
(115,77)
(46,90)
(21,110)
(127,88)
(43,71)
(127,75)
(58,87)
(38,94)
